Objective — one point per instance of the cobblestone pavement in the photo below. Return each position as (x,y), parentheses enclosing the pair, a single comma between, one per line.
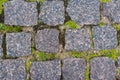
(46,49)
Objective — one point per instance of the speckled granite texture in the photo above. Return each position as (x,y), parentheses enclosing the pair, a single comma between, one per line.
(73,69)
(21,13)
(112,10)
(77,40)
(12,70)
(1,48)
(102,68)
(49,70)
(104,37)
(47,40)
(52,13)
(18,44)
(84,12)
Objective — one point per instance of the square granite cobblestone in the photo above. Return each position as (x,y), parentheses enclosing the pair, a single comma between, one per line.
(49,70)
(84,12)
(1,48)
(73,69)
(52,13)
(47,40)
(102,68)
(18,44)
(21,13)
(77,40)
(12,70)
(112,10)
(104,37)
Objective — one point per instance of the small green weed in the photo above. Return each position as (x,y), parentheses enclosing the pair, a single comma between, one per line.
(71,24)
(87,73)
(101,24)
(104,1)
(40,56)
(28,64)
(1,5)
(4,28)
(117,27)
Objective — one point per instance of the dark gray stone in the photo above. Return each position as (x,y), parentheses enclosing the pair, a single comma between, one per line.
(47,40)
(74,69)
(118,68)
(104,37)
(77,40)
(1,49)
(21,13)
(12,70)
(18,44)
(84,12)
(52,13)
(112,10)
(49,70)
(102,68)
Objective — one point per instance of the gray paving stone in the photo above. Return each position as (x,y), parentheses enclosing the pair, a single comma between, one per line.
(73,69)
(84,12)
(52,13)
(102,68)
(49,70)
(118,67)
(21,13)
(104,37)
(77,40)
(1,49)
(112,10)
(18,44)
(47,40)
(12,70)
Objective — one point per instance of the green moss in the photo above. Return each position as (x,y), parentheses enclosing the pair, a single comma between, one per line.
(42,56)
(117,27)
(101,24)
(28,64)
(1,5)
(117,72)
(87,73)
(4,28)
(71,24)
(104,1)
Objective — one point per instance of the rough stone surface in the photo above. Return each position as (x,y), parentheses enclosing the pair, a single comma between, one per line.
(118,67)
(47,40)
(77,40)
(52,13)
(18,44)
(21,13)
(104,37)
(12,70)
(1,49)
(73,69)
(84,12)
(49,70)
(112,10)
(102,68)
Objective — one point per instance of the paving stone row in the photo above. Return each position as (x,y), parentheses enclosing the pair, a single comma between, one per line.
(47,40)
(101,68)
(52,12)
